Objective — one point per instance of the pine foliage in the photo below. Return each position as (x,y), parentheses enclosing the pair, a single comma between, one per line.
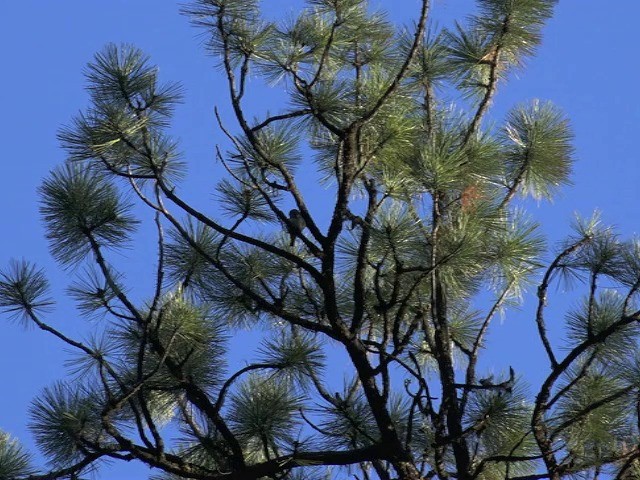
(390,285)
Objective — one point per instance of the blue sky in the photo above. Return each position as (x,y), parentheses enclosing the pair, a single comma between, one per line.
(588,65)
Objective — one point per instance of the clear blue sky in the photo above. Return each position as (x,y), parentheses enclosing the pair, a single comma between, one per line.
(588,65)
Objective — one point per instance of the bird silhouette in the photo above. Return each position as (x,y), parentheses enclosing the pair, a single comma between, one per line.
(486,382)
(296,225)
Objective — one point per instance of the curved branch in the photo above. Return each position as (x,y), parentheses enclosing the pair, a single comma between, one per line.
(542,297)
(238,374)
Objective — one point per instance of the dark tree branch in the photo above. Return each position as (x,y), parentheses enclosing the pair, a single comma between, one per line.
(494,75)
(542,296)
(276,118)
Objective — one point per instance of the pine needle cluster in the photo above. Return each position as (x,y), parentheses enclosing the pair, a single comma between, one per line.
(393,281)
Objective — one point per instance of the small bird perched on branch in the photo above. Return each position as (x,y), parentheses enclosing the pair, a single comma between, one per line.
(296,225)
(486,382)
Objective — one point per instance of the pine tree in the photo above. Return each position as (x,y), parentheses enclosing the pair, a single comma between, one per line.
(424,240)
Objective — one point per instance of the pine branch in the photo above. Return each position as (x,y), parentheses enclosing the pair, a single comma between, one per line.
(417,41)
(470,375)
(361,264)
(542,296)
(276,118)
(538,422)
(589,409)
